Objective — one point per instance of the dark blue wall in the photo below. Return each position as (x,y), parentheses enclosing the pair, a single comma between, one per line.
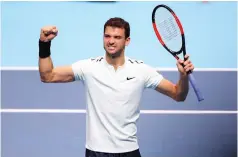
(167,135)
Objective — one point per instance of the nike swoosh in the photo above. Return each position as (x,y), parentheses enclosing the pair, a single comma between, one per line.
(129,78)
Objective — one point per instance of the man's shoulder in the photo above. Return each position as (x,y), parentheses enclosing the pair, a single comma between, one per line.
(139,64)
(134,61)
(98,59)
(90,60)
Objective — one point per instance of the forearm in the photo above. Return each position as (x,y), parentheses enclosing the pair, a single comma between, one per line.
(182,88)
(45,68)
(45,62)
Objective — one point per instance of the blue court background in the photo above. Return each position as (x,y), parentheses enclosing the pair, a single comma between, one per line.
(211,35)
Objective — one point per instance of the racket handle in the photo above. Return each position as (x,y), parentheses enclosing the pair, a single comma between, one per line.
(195,87)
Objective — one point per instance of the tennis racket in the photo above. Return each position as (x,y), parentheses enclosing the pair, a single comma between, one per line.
(170,34)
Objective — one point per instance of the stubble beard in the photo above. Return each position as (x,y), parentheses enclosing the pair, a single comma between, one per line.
(115,55)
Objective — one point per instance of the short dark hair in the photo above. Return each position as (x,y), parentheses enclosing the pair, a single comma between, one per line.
(119,23)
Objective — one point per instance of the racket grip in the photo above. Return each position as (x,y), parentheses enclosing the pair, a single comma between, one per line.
(195,87)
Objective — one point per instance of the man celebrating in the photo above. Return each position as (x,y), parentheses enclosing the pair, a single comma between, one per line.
(114,85)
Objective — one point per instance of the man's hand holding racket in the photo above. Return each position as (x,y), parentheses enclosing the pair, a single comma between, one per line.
(184,66)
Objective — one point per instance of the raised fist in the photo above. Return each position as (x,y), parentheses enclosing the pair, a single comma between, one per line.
(48,33)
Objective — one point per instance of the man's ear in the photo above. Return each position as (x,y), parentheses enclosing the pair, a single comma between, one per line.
(128,41)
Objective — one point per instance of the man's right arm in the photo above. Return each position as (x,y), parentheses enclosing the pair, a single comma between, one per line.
(49,74)
(47,71)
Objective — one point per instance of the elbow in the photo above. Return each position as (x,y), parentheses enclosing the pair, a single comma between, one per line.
(45,78)
(180,96)
(44,81)
(180,99)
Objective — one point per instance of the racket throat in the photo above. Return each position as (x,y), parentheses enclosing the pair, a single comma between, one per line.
(176,57)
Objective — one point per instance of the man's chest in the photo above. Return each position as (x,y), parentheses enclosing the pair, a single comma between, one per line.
(120,83)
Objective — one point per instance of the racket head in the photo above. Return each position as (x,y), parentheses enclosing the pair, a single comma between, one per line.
(168,29)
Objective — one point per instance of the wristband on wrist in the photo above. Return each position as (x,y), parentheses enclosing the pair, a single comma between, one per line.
(44,49)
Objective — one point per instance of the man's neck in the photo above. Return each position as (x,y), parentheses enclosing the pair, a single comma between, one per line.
(117,61)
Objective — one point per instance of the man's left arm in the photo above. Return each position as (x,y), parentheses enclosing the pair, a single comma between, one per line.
(178,91)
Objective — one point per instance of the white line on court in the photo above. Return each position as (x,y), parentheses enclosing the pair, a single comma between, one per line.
(159,69)
(142,111)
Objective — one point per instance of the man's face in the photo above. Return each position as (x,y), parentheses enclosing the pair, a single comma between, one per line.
(115,41)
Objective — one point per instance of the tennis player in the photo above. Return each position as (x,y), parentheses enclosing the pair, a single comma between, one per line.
(114,85)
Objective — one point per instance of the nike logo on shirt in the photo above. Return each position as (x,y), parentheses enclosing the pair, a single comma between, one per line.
(129,78)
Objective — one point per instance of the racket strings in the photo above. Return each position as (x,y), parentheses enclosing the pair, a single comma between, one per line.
(168,29)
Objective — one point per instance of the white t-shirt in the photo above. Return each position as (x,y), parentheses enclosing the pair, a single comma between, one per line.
(113,99)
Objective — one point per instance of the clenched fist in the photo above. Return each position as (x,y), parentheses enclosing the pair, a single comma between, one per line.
(48,33)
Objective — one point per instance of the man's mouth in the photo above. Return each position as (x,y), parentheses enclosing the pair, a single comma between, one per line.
(111,48)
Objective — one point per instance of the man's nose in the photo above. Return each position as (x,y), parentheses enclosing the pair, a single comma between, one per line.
(111,41)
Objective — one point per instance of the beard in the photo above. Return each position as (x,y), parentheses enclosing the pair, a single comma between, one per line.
(114,55)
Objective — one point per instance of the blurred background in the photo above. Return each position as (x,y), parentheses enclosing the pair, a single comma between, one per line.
(210,31)
(211,41)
